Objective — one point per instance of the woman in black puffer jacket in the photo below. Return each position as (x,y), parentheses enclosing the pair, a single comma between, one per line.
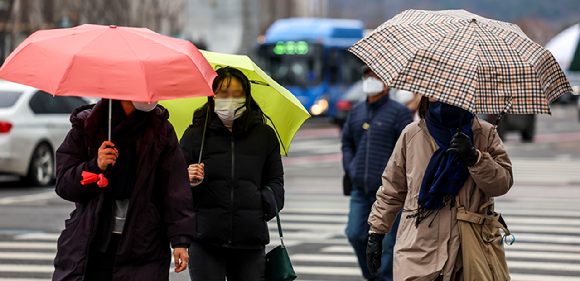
(232,201)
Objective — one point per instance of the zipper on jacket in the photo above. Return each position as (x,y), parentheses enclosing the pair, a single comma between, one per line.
(232,194)
(367,152)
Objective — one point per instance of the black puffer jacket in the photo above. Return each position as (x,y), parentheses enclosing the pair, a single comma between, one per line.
(232,203)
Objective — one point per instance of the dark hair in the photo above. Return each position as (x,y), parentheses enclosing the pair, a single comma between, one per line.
(224,78)
(423,107)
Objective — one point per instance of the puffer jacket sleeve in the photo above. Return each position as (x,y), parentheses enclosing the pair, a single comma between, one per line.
(493,172)
(348,143)
(71,161)
(393,191)
(177,203)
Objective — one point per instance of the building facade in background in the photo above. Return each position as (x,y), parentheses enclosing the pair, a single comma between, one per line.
(233,26)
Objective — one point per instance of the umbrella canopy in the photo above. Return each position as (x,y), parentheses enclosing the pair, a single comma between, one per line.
(110,62)
(462,59)
(285,112)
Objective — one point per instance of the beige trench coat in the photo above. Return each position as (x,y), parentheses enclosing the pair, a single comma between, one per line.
(425,252)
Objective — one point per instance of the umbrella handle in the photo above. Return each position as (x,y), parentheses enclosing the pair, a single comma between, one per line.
(110,118)
(196,181)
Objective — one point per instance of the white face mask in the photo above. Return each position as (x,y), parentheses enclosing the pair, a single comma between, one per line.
(226,108)
(144,106)
(373,86)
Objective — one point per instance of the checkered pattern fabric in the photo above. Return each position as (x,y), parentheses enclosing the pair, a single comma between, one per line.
(462,59)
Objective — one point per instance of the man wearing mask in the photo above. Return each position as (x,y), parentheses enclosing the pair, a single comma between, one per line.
(369,136)
(132,195)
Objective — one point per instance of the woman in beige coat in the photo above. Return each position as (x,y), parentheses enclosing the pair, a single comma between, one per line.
(432,162)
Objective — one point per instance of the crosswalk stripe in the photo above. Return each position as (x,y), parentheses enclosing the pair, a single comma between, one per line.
(338,249)
(541,221)
(26,268)
(38,236)
(515,228)
(25,279)
(27,256)
(326,270)
(530,277)
(543,255)
(27,245)
(323,258)
(544,265)
(543,247)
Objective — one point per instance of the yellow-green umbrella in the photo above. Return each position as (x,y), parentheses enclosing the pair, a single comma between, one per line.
(284,110)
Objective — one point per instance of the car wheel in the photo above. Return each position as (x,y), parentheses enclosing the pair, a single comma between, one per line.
(41,168)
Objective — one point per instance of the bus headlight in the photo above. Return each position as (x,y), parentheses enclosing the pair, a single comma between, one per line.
(319,107)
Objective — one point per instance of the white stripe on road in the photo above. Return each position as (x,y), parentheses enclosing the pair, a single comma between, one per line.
(27,256)
(27,245)
(338,249)
(515,228)
(325,270)
(323,258)
(28,198)
(543,255)
(315,218)
(530,277)
(24,279)
(544,265)
(310,226)
(38,236)
(543,247)
(26,268)
(326,211)
(541,221)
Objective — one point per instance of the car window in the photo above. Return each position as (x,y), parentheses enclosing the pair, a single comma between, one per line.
(9,98)
(45,103)
(74,102)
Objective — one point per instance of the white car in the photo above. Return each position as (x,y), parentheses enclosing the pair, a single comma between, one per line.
(33,124)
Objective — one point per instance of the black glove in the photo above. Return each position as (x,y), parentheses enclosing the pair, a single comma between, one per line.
(374,252)
(461,145)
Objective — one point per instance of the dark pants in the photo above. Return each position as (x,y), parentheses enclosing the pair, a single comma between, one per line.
(357,232)
(212,263)
(100,265)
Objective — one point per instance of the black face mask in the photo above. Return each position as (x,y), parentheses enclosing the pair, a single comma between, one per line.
(448,115)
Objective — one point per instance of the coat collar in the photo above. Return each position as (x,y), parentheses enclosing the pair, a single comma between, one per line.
(379,103)
(476,126)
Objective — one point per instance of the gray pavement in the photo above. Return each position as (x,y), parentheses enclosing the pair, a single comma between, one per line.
(542,209)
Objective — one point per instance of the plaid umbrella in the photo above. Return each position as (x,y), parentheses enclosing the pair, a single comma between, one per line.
(462,59)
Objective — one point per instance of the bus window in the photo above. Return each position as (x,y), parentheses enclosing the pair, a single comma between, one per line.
(351,70)
(333,64)
(291,68)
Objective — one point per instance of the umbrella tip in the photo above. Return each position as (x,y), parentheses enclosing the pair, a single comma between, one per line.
(473,20)
(112,26)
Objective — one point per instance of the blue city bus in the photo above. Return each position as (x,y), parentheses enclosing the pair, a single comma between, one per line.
(309,57)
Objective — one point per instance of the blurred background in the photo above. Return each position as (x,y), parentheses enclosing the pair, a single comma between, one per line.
(303,45)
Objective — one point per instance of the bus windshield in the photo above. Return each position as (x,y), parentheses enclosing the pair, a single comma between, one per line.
(293,68)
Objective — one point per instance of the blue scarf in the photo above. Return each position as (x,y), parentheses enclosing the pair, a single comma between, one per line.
(446,172)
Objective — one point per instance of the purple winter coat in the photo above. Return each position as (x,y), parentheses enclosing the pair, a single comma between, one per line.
(160,210)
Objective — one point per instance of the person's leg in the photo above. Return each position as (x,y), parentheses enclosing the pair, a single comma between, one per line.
(246,265)
(206,263)
(357,228)
(386,270)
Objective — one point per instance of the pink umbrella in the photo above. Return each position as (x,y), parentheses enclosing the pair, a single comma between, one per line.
(110,62)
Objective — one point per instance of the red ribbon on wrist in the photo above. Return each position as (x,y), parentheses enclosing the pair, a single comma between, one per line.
(89,178)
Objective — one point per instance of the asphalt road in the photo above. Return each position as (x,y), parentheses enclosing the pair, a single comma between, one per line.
(542,209)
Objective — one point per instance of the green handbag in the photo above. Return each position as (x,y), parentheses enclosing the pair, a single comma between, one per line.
(278,265)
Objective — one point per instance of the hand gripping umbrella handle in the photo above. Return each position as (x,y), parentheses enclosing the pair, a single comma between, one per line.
(196,181)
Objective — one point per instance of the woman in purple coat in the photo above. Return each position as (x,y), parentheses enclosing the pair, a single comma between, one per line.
(132,200)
